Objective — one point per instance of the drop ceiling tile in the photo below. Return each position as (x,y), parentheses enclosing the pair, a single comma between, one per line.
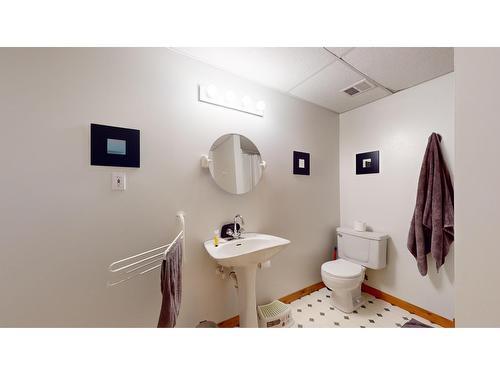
(278,68)
(400,68)
(324,89)
(339,51)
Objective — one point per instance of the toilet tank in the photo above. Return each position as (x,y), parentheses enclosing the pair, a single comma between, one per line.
(366,248)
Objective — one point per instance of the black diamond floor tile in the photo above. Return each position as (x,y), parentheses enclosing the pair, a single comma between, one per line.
(374,319)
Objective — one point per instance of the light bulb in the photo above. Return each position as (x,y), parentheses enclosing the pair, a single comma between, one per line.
(211,91)
(261,105)
(246,101)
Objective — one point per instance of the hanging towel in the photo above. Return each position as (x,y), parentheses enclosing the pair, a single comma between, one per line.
(171,286)
(431,229)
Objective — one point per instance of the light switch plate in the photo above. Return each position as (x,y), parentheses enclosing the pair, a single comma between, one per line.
(118,181)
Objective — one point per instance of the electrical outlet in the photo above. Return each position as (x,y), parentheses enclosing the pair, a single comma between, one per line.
(118,181)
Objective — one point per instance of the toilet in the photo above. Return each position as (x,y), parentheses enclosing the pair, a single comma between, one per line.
(356,252)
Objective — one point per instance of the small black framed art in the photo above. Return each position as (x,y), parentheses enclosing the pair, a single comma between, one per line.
(367,162)
(114,146)
(301,163)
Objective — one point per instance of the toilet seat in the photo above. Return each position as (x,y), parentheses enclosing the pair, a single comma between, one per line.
(342,269)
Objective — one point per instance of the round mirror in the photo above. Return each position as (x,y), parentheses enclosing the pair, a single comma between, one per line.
(235,163)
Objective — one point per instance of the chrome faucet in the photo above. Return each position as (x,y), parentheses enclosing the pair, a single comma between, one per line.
(235,233)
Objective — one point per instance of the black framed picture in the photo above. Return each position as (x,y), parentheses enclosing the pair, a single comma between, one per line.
(301,163)
(367,162)
(114,146)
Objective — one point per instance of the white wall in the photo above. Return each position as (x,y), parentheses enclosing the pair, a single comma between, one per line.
(398,126)
(477,215)
(61,225)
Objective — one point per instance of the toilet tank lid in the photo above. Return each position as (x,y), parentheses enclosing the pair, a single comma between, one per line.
(377,236)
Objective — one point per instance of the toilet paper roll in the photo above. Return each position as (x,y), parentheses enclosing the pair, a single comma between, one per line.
(266,264)
(359,226)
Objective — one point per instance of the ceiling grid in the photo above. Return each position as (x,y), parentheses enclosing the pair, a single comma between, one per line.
(320,74)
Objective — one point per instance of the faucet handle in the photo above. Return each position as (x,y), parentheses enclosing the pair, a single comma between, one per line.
(241,218)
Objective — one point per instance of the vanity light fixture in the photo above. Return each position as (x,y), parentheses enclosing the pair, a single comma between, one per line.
(230,97)
(211,91)
(261,106)
(246,101)
(211,94)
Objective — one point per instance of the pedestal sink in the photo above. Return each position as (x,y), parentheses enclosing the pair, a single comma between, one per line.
(244,254)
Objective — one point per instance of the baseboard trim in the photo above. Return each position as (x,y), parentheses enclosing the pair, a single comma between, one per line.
(230,323)
(430,316)
(301,293)
(235,320)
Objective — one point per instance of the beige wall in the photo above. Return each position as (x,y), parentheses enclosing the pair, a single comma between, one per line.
(477,196)
(61,225)
(398,126)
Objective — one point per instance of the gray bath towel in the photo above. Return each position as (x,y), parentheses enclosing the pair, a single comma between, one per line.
(171,286)
(431,229)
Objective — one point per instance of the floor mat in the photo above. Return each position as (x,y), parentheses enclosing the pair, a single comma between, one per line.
(413,323)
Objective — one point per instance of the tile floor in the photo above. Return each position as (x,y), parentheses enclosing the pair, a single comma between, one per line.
(316,311)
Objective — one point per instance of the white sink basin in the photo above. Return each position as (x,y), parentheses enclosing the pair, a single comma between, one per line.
(252,248)
(244,254)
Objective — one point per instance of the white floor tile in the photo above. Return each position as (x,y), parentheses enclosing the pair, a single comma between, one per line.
(315,311)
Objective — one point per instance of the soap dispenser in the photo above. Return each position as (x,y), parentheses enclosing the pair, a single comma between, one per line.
(216,238)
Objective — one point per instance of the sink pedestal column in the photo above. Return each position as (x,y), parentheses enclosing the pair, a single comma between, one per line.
(247,301)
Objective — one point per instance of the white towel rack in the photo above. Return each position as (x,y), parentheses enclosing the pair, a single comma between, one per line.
(135,265)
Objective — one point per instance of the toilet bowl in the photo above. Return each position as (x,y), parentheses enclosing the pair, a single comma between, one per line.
(344,279)
(357,251)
